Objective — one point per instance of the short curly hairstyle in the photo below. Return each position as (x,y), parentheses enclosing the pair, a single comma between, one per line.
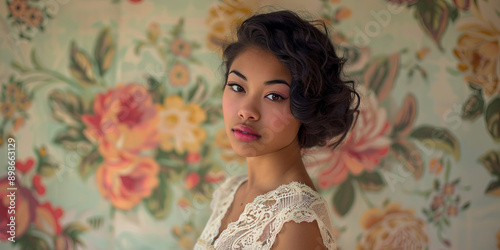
(319,98)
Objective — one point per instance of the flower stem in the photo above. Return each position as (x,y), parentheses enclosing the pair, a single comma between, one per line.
(364,197)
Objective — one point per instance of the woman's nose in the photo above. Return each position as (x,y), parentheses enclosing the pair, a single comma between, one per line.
(249,111)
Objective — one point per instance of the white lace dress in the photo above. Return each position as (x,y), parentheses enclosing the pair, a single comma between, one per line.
(262,219)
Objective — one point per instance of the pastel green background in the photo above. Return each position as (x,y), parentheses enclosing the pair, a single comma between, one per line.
(425,157)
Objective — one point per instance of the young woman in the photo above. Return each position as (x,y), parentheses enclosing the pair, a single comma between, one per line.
(283,93)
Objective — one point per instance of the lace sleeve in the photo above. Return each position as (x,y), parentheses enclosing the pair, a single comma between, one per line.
(317,211)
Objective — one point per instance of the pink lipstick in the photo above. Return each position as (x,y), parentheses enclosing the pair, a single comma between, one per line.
(245,133)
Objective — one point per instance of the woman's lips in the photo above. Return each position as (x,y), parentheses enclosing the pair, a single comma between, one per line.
(245,133)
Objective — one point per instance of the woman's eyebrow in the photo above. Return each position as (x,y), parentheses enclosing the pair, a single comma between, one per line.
(276,81)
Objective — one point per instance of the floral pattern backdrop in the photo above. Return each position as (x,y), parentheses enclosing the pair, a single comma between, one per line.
(113,111)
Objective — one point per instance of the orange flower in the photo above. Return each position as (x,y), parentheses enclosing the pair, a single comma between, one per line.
(452,210)
(7,109)
(422,53)
(18,123)
(342,13)
(448,189)
(25,205)
(478,49)
(125,121)
(17,8)
(33,17)
(183,203)
(223,18)
(180,47)
(127,182)
(435,166)
(392,228)
(48,218)
(179,75)
(365,145)
(23,102)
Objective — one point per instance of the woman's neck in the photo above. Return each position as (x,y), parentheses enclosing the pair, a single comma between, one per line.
(267,172)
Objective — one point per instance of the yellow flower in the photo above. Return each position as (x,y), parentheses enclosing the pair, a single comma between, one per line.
(223,18)
(22,101)
(478,50)
(422,53)
(186,242)
(180,125)
(392,228)
(179,75)
(12,90)
(17,8)
(7,109)
(180,47)
(33,17)
(42,151)
(227,153)
(153,31)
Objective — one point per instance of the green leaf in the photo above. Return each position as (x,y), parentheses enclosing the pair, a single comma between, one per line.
(436,184)
(178,28)
(156,89)
(75,228)
(438,138)
(199,92)
(89,163)
(403,123)
(491,162)
(433,16)
(66,107)
(370,181)
(34,60)
(158,204)
(492,117)
(81,66)
(344,198)
(104,50)
(473,107)
(465,206)
(381,74)
(406,153)
(493,188)
(138,47)
(32,242)
(71,138)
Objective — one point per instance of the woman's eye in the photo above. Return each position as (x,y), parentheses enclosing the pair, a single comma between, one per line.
(275,97)
(235,87)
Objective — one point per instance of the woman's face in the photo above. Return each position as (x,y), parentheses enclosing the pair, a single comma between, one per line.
(256,105)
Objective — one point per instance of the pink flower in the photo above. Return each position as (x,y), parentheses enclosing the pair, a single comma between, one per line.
(127,182)
(37,183)
(48,218)
(125,121)
(25,205)
(25,167)
(193,158)
(366,144)
(192,180)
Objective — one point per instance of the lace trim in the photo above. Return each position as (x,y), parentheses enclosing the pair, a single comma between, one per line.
(296,201)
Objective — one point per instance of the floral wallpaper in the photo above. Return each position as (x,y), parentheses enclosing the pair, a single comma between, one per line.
(111,130)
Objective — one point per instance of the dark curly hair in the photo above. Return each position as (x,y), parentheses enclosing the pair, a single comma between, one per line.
(319,98)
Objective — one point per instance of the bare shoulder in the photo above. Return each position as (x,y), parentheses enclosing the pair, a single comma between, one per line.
(304,235)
